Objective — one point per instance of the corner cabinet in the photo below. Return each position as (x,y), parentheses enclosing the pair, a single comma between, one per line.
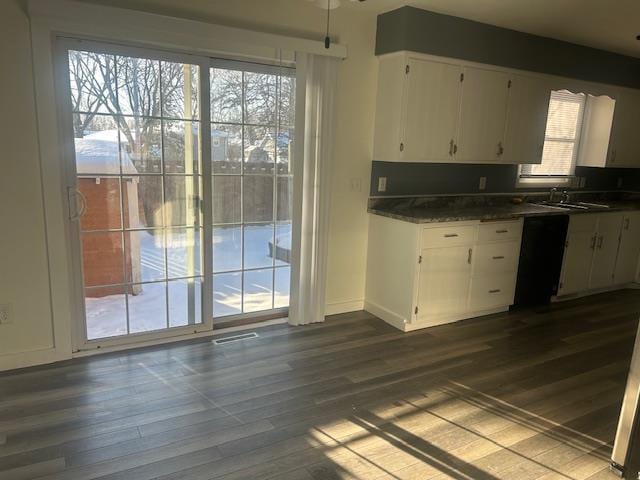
(442,111)
(602,251)
(624,148)
(609,137)
(424,275)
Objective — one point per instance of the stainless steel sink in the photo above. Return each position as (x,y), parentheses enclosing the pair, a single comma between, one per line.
(575,205)
(592,205)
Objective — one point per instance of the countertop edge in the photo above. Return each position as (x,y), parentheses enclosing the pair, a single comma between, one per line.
(489,216)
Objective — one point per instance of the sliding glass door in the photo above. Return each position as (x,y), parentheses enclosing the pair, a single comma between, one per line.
(179,189)
(252,132)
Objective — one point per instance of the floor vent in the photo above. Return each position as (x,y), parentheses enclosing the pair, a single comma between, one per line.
(235,338)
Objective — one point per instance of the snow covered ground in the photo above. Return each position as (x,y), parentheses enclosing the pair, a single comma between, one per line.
(178,302)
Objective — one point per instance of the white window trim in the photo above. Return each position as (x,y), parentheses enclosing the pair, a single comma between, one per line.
(51,19)
(547,181)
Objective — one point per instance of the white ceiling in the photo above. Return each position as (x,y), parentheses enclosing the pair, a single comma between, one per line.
(606,24)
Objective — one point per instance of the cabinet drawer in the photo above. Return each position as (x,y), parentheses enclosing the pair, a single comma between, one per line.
(448,236)
(497,232)
(587,222)
(496,257)
(492,291)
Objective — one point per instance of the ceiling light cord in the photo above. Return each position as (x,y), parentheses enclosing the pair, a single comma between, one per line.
(327,40)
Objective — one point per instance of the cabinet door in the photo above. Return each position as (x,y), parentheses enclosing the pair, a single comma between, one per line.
(388,121)
(629,251)
(432,106)
(606,251)
(444,281)
(576,265)
(624,148)
(485,95)
(526,120)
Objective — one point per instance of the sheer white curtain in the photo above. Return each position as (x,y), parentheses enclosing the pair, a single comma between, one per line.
(316,85)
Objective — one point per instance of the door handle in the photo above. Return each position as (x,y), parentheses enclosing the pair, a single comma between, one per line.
(470,256)
(497,290)
(502,231)
(600,242)
(593,242)
(500,149)
(73,194)
(450,235)
(499,257)
(451,148)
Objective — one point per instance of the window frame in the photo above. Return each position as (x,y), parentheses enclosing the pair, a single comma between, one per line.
(533,181)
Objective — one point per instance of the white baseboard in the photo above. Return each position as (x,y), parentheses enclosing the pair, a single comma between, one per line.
(388,316)
(12,361)
(576,295)
(335,308)
(445,319)
(400,323)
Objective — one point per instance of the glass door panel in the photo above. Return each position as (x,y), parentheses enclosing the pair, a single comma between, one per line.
(252,115)
(136,128)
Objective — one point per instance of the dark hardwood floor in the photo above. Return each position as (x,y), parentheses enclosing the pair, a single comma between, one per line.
(525,395)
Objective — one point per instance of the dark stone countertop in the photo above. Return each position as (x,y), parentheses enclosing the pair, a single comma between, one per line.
(453,209)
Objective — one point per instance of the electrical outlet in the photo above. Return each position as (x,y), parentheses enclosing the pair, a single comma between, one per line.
(382,184)
(483,183)
(5,314)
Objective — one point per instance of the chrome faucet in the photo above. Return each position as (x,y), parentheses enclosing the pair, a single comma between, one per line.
(566,196)
(552,194)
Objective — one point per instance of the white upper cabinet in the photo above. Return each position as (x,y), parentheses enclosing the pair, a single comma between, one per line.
(526,120)
(483,115)
(432,111)
(596,131)
(624,148)
(444,110)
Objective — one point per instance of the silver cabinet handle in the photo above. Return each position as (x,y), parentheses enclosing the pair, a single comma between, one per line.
(593,242)
(451,148)
(470,256)
(499,257)
(600,242)
(502,231)
(450,235)
(500,149)
(497,290)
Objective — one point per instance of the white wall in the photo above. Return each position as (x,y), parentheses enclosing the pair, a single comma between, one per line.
(23,261)
(24,282)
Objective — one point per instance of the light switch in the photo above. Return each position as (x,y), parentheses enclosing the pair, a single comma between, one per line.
(355,184)
(483,183)
(382,184)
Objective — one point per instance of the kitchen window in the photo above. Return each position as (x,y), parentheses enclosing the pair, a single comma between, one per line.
(561,142)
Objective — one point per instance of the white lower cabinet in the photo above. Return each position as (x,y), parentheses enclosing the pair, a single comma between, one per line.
(420,276)
(444,281)
(629,251)
(601,252)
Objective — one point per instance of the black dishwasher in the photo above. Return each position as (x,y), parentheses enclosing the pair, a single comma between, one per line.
(541,253)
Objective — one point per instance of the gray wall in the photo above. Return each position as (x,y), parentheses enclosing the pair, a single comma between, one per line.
(446,178)
(418,30)
(414,29)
